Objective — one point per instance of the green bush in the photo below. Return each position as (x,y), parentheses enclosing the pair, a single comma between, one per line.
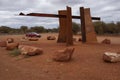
(15,52)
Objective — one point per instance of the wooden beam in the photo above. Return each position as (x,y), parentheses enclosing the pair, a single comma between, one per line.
(54,15)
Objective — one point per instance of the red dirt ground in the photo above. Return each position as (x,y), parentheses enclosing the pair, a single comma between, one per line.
(86,64)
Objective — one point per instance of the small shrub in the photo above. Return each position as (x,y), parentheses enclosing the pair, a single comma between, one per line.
(15,52)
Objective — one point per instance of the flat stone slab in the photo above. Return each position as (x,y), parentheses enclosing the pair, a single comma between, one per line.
(111,57)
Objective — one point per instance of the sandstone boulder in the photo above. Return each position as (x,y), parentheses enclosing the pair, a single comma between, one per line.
(51,38)
(30,50)
(63,55)
(10,40)
(111,57)
(3,43)
(11,46)
(106,41)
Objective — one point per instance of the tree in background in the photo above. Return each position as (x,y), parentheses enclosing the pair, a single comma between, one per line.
(5,29)
(118,27)
(107,28)
(23,29)
(75,27)
(110,28)
(53,30)
(101,28)
(38,29)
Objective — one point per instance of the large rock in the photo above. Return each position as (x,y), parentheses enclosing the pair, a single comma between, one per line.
(10,40)
(106,41)
(11,46)
(111,57)
(51,38)
(63,55)
(3,43)
(30,50)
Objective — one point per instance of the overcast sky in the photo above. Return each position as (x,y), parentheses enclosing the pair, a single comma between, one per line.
(108,10)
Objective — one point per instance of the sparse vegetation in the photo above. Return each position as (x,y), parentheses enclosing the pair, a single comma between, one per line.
(101,28)
(15,52)
(76,28)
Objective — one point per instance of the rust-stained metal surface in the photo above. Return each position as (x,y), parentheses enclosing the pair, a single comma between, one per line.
(65,22)
(83,31)
(87,27)
(62,27)
(69,32)
(54,15)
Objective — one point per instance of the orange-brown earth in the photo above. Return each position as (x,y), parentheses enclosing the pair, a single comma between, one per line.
(86,64)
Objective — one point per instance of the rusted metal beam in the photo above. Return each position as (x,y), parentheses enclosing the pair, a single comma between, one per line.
(83,24)
(54,15)
(79,17)
(45,15)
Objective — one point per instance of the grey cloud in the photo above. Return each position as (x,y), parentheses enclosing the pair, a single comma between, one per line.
(16,5)
(108,10)
(66,2)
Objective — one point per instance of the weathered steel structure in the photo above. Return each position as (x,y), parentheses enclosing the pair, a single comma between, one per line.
(65,22)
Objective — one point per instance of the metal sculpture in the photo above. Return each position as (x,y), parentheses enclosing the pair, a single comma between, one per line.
(65,22)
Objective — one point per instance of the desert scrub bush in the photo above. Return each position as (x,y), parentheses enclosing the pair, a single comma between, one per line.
(15,52)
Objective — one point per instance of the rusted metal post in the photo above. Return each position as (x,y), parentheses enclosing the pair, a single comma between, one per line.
(62,27)
(69,37)
(87,28)
(83,24)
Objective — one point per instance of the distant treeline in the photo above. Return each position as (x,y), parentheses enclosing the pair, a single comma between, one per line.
(38,29)
(101,28)
(25,29)
(107,28)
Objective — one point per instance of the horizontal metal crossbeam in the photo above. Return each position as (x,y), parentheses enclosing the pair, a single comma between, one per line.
(54,15)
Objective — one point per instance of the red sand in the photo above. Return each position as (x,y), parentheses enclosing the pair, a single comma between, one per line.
(86,64)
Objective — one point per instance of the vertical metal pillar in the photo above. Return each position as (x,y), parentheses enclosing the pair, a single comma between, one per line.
(83,24)
(69,31)
(87,27)
(62,27)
